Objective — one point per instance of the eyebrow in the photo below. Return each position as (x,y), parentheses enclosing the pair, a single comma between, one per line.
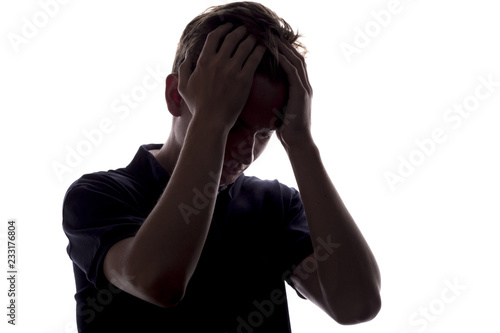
(243,123)
(247,126)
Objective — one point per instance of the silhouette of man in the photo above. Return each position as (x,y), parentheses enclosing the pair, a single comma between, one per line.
(181,240)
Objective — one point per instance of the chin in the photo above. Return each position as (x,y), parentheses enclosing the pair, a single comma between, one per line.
(226,178)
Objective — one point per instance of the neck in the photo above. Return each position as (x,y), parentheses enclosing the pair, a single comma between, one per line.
(168,154)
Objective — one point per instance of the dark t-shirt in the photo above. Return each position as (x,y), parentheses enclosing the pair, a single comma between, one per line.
(257,236)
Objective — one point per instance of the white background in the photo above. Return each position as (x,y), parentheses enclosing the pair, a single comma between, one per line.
(439,225)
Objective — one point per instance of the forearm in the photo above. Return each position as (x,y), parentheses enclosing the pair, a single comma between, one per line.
(167,247)
(350,274)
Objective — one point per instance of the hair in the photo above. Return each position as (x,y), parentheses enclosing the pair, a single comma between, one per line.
(260,22)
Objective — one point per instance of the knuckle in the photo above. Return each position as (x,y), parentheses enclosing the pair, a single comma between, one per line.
(236,34)
(303,93)
(298,62)
(211,35)
(185,65)
(252,61)
(202,62)
(251,40)
(230,38)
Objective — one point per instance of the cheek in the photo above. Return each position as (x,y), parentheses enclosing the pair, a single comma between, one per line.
(239,143)
(259,146)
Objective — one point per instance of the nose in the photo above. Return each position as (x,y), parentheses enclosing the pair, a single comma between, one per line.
(244,152)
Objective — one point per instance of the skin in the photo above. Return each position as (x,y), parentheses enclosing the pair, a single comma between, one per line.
(220,125)
(248,137)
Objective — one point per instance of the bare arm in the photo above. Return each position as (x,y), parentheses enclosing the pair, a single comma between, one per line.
(157,264)
(346,282)
(165,251)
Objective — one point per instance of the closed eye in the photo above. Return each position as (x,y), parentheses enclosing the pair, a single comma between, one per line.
(262,134)
(265,134)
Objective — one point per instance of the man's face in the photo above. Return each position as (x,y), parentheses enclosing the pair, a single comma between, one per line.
(254,127)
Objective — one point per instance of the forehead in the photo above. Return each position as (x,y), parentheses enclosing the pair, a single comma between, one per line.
(265,100)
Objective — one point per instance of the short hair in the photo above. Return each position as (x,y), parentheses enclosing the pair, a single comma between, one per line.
(260,22)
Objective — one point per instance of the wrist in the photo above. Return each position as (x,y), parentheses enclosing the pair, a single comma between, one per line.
(212,125)
(299,143)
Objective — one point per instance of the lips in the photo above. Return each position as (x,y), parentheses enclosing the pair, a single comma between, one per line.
(234,170)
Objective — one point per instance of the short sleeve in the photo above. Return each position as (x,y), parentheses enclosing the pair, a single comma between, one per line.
(95,217)
(297,238)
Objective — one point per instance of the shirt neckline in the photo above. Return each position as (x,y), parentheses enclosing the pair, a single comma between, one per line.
(149,171)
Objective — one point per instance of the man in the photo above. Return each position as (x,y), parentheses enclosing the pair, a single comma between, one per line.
(180,240)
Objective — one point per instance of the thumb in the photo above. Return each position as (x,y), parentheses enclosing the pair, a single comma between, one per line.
(185,72)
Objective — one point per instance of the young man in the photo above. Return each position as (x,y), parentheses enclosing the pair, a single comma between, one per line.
(180,240)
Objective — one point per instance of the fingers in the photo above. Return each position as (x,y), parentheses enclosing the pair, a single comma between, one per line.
(214,39)
(231,42)
(254,59)
(243,51)
(294,65)
(185,72)
(234,50)
(225,38)
(294,80)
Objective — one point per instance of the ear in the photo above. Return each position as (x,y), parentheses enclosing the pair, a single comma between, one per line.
(172,95)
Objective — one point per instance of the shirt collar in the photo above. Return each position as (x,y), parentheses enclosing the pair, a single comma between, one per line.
(149,171)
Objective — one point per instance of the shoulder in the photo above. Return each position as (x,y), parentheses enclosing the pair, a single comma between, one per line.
(101,182)
(94,191)
(268,189)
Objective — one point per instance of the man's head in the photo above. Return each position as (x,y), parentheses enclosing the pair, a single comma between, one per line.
(268,96)
(260,22)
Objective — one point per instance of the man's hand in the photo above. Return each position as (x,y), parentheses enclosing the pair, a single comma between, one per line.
(296,125)
(218,88)
(165,251)
(346,283)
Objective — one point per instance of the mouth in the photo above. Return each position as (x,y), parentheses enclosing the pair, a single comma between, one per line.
(234,170)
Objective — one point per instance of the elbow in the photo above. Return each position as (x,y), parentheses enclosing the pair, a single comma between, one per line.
(356,312)
(143,279)
(165,295)
(167,298)
(165,292)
